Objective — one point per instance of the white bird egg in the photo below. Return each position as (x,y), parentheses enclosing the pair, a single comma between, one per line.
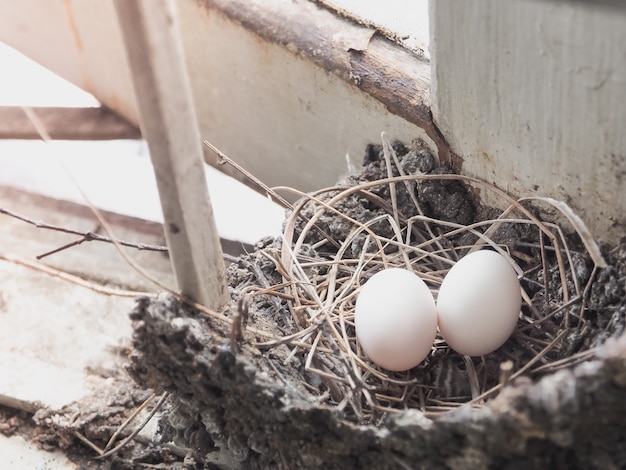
(396,319)
(479,303)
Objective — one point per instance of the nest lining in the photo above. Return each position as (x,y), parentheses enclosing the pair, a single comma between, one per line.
(402,211)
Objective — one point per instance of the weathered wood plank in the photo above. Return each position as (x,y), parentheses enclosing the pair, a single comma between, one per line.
(169,123)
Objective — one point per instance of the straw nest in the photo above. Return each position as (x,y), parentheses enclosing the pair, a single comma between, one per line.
(401,210)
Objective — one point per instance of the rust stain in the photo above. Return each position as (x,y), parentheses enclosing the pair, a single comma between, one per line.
(72,22)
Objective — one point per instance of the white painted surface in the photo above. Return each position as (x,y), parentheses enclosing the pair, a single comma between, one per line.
(532,95)
(18,454)
(51,338)
(282,117)
(24,82)
(78,39)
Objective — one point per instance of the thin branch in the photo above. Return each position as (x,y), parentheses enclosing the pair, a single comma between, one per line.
(87,236)
(73,279)
(88,442)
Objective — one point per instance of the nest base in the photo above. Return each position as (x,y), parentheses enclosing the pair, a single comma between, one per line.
(236,409)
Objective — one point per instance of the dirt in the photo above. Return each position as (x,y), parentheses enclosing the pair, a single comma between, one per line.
(96,417)
(13,421)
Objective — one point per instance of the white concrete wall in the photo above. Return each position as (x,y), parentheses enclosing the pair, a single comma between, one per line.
(532,94)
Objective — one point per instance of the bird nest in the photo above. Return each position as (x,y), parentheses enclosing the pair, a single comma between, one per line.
(278,380)
(402,211)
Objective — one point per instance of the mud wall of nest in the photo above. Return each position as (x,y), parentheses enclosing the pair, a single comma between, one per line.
(280,381)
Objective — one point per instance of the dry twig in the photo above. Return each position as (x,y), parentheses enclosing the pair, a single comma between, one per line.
(86,236)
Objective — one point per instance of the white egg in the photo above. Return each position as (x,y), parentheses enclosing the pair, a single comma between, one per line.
(479,303)
(395,319)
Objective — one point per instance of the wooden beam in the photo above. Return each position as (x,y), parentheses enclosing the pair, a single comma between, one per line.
(169,123)
(66,124)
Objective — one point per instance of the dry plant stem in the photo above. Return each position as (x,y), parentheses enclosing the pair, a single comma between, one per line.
(86,441)
(587,289)
(86,236)
(390,152)
(563,272)
(566,362)
(561,308)
(348,191)
(269,192)
(67,245)
(544,262)
(73,279)
(36,122)
(402,246)
(300,281)
(328,205)
(137,430)
(523,369)
(472,376)
(501,219)
(127,421)
(506,368)
(335,266)
(581,228)
(290,339)
(460,229)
